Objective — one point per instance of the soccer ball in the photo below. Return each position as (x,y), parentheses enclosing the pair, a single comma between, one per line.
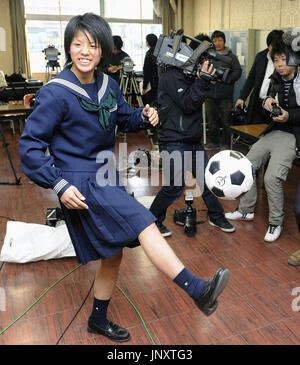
(229,174)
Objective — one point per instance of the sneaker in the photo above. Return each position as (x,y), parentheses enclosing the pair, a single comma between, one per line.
(163,230)
(294,259)
(222,223)
(273,233)
(238,216)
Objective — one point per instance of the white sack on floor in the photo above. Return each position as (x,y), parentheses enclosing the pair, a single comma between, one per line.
(146,200)
(25,242)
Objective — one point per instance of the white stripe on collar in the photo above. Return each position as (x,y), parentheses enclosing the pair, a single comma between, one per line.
(103,88)
(70,85)
(80,90)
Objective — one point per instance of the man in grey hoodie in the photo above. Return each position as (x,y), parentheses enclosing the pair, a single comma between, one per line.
(219,99)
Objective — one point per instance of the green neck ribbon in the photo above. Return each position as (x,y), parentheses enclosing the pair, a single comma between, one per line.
(103,109)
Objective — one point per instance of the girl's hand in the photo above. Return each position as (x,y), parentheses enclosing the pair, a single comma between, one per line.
(151,114)
(73,199)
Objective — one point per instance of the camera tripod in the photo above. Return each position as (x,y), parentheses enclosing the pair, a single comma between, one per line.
(52,69)
(5,144)
(129,87)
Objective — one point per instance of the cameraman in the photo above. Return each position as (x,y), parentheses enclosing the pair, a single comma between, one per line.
(114,65)
(181,130)
(278,143)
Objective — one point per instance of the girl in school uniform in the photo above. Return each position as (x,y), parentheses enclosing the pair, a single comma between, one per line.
(75,117)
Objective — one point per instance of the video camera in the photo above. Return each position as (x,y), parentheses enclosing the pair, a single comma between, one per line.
(291,39)
(275,111)
(187,217)
(239,115)
(127,64)
(51,55)
(172,51)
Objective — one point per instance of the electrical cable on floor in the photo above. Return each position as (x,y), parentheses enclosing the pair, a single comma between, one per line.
(75,315)
(39,298)
(137,313)
(82,304)
(67,327)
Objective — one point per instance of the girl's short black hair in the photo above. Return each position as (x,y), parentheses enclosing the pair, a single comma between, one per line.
(97,27)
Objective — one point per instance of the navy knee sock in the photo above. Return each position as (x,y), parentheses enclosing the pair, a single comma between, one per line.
(99,312)
(191,284)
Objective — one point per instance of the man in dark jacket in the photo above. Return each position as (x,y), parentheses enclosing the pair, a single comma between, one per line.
(150,71)
(180,134)
(114,65)
(219,99)
(278,143)
(258,81)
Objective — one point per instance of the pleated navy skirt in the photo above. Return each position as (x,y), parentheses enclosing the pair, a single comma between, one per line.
(113,221)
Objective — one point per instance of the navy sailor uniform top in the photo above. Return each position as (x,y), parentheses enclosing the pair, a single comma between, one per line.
(73,135)
(76,128)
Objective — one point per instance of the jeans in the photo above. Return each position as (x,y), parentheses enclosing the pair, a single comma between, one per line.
(171,191)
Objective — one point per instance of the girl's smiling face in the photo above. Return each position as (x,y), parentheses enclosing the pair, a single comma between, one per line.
(86,55)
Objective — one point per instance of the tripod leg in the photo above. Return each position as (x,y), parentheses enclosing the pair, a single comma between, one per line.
(125,93)
(5,144)
(137,92)
(130,92)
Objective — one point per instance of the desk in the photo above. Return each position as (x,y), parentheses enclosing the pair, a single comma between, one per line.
(11,111)
(15,108)
(246,134)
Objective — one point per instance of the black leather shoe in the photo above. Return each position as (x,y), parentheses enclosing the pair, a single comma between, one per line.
(113,331)
(208,303)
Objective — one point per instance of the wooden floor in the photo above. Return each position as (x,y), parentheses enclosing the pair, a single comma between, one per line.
(255,308)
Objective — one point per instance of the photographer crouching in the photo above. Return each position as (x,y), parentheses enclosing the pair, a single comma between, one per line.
(181,98)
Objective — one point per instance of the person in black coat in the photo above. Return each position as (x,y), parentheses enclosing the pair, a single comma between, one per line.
(219,99)
(258,81)
(113,66)
(150,71)
(181,98)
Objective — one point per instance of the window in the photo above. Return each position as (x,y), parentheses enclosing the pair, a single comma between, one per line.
(134,39)
(131,9)
(132,20)
(46,22)
(41,34)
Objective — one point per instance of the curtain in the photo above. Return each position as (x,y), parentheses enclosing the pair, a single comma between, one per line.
(19,40)
(168,17)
